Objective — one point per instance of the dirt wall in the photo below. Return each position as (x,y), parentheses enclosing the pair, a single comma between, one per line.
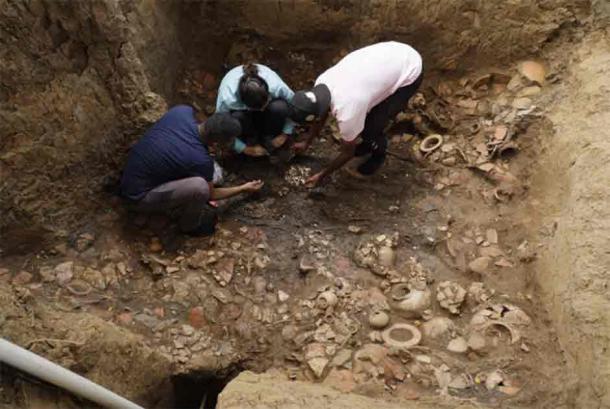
(71,82)
(573,188)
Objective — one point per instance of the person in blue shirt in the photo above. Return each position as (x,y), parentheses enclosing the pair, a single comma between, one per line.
(170,168)
(257,97)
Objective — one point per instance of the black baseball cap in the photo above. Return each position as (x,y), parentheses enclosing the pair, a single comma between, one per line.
(222,126)
(309,105)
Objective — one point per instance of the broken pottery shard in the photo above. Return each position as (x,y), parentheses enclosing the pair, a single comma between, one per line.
(342,358)
(533,71)
(503,263)
(437,327)
(486,167)
(500,132)
(21,278)
(306,264)
(476,342)
(282,296)
(64,272)
(354,229)
(450,296)
(529,91)
(458,345)
(479,265)
(493,379)
(522,103)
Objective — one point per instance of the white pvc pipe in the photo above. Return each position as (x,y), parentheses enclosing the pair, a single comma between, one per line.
(46,370)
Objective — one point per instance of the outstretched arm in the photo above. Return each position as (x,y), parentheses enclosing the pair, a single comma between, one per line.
(314,132)
(227,192)
(348,150)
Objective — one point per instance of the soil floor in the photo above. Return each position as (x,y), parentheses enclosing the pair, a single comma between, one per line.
(290,279)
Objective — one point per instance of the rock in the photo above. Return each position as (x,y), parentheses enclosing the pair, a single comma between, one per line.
(342,358)
(354,229)
(522,103)
(187,330)
(437,327)
(379,319)
(493,379)
(125,318)
(22,278)
(492,236)
(196,317)
(47,274)
(155,245)
(479,265)
(223,271)
(386,257)
(289,332)
(450,296)
(64,272)
(458,345)
(282,296)
(306,264)
(476,342)
(533,71)
(95,278)
(503,263)
(84,241)
(317,365)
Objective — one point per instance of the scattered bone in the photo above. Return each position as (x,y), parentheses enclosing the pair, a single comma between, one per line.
(450,296)
(492,236)
(64,272)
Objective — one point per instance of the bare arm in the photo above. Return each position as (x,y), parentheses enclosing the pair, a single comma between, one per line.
(347,152)
(227,192)
(314,132)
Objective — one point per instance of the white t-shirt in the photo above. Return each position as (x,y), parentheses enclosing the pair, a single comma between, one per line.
(364,78)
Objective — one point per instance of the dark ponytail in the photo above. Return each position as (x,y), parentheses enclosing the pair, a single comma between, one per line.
(253,90)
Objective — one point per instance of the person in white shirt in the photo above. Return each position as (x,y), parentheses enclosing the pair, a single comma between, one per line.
(363,91)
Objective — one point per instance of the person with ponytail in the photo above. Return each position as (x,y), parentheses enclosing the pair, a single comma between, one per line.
(259,99)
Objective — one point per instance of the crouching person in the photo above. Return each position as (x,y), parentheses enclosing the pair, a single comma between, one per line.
(170,169)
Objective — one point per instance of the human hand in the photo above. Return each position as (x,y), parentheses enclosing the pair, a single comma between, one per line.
(252,186)
(256,151)
(314,180)
(300,147)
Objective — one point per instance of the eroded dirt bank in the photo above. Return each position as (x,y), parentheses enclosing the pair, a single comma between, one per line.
(290,281)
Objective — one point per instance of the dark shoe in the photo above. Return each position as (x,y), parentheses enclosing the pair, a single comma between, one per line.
(207,223)
(372,165)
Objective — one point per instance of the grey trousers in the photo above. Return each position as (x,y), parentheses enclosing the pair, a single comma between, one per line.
(184,198)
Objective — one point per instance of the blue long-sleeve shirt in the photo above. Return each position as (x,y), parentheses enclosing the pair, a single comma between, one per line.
(228,94)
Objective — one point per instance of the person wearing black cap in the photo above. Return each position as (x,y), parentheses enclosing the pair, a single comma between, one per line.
(258,98)
(364,91)
(170,169)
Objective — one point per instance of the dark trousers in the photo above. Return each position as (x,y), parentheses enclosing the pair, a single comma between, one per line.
(261,127)
(184,199)
(374,142)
